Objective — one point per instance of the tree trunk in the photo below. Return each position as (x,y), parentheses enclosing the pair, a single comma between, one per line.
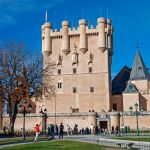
(11,125)
(1,121)
(12,116)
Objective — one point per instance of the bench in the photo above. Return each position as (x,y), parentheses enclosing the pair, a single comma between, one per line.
(129,145)
(119,144)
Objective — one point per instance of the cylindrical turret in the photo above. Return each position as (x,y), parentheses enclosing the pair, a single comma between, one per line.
(109,35)
(83,38)
(43,39)
(46,39)
(102,36)
(65,37)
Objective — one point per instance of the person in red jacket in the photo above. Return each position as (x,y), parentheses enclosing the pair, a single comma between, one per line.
(37,131)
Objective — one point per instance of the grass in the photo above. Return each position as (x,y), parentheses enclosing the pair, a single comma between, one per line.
(11,141)
(59,145)
(14,140)
(19,140)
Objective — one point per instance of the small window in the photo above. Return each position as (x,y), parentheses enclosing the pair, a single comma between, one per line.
(91,89)
(59,85)
(90,69)
(74,90)
(74,70)
(130,87)
(59,71)
(139,68)
(114,106)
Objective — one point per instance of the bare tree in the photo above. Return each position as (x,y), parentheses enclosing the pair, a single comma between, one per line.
(22,76)
(1,104)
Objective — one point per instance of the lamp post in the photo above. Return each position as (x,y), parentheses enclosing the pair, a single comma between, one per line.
(44,113)
(122,120)
(55,111)
(24,108)
(119,115)
(137,114)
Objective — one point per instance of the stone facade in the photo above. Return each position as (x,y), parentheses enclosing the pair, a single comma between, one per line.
(82,58)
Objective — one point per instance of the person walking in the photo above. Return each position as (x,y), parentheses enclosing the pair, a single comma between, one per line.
(37,132)
(61,131)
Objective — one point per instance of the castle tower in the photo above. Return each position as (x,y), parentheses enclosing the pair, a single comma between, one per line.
(83,71)
(46,38)
(138,85)
(83,36)
(65,37)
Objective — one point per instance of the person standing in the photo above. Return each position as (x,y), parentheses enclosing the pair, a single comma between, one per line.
(37,132)
(92,129)
(56,130)
(61,131)
(68,131)
(52,131)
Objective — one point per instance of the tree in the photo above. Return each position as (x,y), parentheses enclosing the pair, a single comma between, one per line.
(1,104)
(22,76)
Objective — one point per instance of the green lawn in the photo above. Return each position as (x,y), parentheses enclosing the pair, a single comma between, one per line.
(59,145)
(19,140)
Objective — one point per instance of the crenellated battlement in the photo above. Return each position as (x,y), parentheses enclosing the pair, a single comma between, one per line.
(103,31)
(74,30)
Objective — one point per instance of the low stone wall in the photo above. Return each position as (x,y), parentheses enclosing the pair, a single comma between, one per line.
(81,119)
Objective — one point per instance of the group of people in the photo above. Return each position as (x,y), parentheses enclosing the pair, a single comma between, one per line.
(53,130)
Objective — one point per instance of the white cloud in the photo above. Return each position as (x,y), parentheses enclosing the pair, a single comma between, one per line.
(9,9)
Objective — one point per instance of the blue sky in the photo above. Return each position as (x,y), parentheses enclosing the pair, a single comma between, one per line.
(21,20)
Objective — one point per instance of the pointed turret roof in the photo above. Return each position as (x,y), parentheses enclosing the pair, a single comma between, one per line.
(131,88)
(139,70)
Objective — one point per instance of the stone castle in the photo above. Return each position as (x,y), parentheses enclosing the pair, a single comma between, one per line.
(83,58)
(85,94)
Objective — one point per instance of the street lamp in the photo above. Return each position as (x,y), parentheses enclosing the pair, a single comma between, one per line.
(24,108)
(136,113)
(119,115)
(44,113)
(55,111)
(122,120)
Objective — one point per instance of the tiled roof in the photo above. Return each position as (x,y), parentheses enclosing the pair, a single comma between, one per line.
(120,80)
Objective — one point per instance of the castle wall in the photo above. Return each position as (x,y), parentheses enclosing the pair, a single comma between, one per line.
(145,101)
(143,122)
(130,99)
(142,85)
(118,100)
(83,120)
(81,48)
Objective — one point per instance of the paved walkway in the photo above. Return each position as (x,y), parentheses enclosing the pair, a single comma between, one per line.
(101,140)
